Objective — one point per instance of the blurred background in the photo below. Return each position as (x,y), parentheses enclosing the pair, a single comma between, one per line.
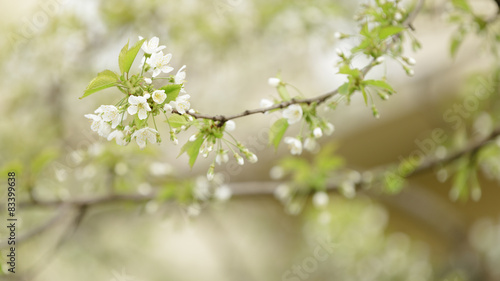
(50,51)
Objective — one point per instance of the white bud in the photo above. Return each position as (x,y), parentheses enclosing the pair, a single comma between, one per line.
(276,173)
(148,80)
(380,59)
(240,159)
(273,81)
(264,103)
(339,52)
(320,199)
(337,35)
(411,61)
(329,129)
(398,16)
(230,125)
(191,111)
(252,158)
(193,137)
(317,132)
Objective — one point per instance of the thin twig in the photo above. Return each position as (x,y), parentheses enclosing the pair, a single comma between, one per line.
(319,99)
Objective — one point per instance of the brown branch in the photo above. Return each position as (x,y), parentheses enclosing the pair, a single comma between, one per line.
(319,99)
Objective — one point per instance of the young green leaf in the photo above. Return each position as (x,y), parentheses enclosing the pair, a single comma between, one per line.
(177,121)
(105,79)
(346,69)
(277,131)
(192,149)
(389,31)
(456,41)
(172,91)
(461,4)
(127,56)
(283,92)
(379,84)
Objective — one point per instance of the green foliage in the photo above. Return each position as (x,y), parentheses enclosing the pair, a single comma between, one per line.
(127,56)
(104,79)
(177,121)
(277,132)
(172,91)
(192,149)
(306,175)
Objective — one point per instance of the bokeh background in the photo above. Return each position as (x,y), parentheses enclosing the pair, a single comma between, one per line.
(51,49)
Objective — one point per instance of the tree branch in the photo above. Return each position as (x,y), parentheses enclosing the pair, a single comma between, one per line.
(319,99)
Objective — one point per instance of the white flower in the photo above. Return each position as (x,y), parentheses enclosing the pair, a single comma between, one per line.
(317,132)
(265,103)
(230,126)
(348,189)
(119,136)
(273,81)
(180,78)
(159,96)
(222,193)
(398,16)
(139,104)
(282,192)
(293,113)
(99,125)
(310,144)
(294,145)
(201,189)
(221,157)
(160,169)
(320,199)
(151,46)
(181,104)
(168,108)
(110,113)
(329,129)
(143,135)
(159,63)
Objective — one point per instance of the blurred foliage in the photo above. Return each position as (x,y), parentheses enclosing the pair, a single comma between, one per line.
(46,140)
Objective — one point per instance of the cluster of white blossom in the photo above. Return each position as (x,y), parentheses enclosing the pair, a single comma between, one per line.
(143,101)
(294,114)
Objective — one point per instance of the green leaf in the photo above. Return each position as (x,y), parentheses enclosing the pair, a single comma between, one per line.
(127,56)
(177,121)
(277,131)
(379,84)
(283,92)
(365,96)
(344,89)
(461,4)
(172,91)
(192,149)
(105,79)
(389,31)
(346,69)
(456,41)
